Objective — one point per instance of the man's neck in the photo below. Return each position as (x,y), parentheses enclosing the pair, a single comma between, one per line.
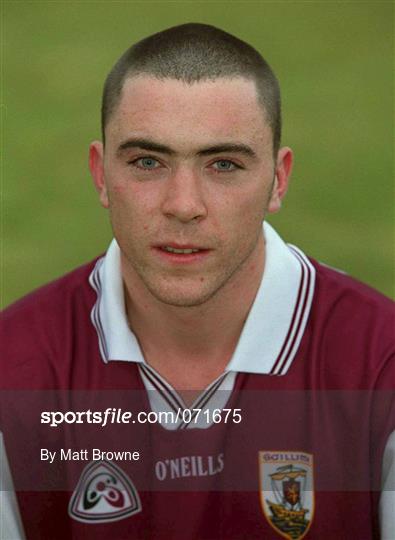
(191,346)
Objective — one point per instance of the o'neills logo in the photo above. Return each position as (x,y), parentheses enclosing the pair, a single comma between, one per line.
(104,493)
(287,491)
(187,466)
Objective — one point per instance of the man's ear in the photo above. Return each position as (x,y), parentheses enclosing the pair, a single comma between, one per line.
(96,166)
(282,176)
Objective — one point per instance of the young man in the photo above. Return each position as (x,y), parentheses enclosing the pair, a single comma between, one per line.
(277,373)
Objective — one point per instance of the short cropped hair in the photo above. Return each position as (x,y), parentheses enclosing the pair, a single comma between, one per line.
(191,53)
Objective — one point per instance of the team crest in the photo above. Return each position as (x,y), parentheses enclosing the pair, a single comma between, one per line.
(104,493)
(287,491)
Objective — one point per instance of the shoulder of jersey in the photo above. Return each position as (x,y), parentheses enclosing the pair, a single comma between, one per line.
(46,299)
(42,321)
(333,285)
(353,323)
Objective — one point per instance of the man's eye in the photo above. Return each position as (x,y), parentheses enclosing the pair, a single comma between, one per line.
(224,165)
(146,163)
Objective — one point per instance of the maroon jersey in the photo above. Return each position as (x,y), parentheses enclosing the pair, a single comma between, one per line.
(288,442)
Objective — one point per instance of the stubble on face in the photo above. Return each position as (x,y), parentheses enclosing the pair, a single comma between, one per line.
(232,229)
(180,290)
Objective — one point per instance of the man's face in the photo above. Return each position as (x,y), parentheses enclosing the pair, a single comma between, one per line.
(188,174)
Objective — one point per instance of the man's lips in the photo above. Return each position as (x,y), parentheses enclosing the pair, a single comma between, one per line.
(181,253)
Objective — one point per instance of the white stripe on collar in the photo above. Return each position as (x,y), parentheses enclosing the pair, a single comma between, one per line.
(163,397)
(273,329)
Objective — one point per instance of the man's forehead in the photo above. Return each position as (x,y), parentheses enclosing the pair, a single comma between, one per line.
(225,105)
(235,90)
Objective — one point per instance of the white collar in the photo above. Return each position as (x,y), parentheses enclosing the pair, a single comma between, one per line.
(273,329)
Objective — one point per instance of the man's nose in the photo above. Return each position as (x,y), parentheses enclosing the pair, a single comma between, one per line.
(184,198)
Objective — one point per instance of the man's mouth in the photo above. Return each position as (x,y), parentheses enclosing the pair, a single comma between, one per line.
(181,253)
(180,250)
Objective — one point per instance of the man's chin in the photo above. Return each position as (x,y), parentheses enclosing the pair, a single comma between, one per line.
(181,296)
(186,301)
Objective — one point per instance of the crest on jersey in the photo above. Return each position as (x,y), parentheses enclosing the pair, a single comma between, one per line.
(104,493)
(287,491)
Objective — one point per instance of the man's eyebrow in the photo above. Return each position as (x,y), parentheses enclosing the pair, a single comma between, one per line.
(228,147)
(145,144)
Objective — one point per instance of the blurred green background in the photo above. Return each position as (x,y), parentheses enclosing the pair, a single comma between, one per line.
(335,64)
